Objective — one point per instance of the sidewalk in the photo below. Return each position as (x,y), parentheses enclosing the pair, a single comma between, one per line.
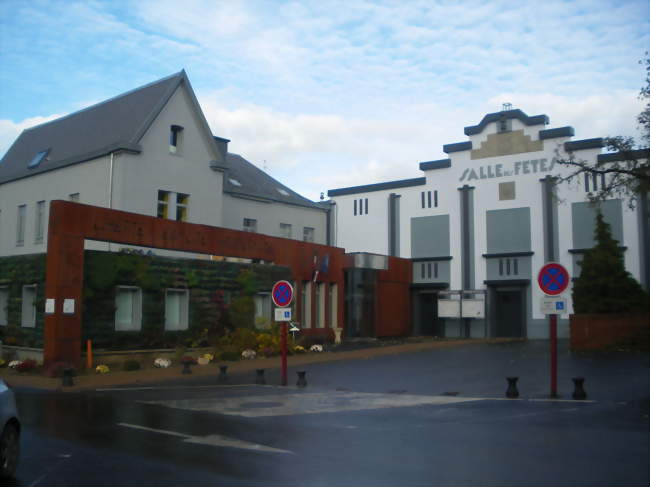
(91,381)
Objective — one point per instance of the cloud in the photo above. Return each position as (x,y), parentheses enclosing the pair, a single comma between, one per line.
(10,130)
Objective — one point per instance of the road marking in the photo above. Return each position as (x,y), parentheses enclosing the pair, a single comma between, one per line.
(174,388)
(306,403)
(213,440)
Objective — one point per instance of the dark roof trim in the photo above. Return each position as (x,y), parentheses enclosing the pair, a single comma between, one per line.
(77,159)
(506,115)
(430,285)
(557,132)
(623,156)
(439,164)
(369,188)
(508,254)
(457,147)
(574,145)
(582,251)
(431,259)
(264,199)
(506,282)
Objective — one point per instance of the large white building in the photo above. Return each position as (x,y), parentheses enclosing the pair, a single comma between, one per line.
(488,218)
(148,151)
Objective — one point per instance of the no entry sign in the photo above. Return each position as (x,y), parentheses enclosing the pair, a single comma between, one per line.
(282,294)
(553,279)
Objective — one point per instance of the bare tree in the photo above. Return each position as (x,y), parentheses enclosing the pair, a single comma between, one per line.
(625,169)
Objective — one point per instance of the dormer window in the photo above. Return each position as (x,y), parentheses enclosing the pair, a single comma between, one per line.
(175,138)
(504,126)
(38,158)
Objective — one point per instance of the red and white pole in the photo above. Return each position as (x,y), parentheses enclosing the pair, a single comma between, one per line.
(283,345)
(553,337)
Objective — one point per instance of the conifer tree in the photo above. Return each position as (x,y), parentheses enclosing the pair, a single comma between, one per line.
(604,286)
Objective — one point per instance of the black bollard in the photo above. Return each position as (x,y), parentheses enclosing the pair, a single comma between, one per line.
(66,377)
(579,392)
(223,374)
(260,377)
(186,368)
(512,391)
(302,382)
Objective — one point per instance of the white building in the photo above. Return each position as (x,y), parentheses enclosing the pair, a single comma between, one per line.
(488,218)
(148,151)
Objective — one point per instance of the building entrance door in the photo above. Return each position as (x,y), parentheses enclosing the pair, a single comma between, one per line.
(509,312)
(427,312)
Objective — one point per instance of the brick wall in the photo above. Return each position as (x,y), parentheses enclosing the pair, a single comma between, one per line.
(603,331)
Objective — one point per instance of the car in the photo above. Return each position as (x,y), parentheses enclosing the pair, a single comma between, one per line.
(10,439)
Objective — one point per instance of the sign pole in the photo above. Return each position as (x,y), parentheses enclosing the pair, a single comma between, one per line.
(283,344)
(282,295)
(553,279)
(553,336)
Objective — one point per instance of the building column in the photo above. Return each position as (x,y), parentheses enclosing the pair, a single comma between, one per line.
(467,252)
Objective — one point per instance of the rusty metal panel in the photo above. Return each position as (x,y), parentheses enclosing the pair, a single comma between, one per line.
(70,223)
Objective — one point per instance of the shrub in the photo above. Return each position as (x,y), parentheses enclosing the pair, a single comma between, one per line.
(130,365)
(604,286)
(188,359)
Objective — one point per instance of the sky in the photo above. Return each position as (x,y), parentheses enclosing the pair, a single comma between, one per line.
(329,94)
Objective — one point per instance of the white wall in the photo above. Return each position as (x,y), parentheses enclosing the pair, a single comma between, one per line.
(270,215)
(138,177)
(89,179)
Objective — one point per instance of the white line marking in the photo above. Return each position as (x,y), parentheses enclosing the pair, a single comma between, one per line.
(174,388)
(213,440)
(306,403)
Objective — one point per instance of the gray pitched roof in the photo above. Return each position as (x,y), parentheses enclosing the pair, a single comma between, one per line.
(117,123)
(256,184)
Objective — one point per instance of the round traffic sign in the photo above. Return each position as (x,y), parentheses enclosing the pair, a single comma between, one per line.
(282,294)
(553,279)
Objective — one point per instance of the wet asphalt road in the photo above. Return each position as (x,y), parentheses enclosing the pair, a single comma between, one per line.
(429,418)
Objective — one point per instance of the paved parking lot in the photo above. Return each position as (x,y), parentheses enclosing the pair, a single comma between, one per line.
(436,417)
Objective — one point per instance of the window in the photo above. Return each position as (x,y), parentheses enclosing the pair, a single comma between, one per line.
(508,267)
(128,308)
(163,204)
(250,225)
(361,206)
(593,180)
(74,197)
(234,182)
(306,304)
(504,126)
(29,306)
(38,158)
(20,226)
(176,309)
(39,229)
(308,234)
(175,134)
(320,305)
(507,191)
(262,310)
(285,230)
(427,200)
(4,302)
(333,308)
(182,202)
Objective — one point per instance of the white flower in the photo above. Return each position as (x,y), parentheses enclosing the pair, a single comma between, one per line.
(316,348)
(248,354)
(203,360)
(162,363)
(14,363)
